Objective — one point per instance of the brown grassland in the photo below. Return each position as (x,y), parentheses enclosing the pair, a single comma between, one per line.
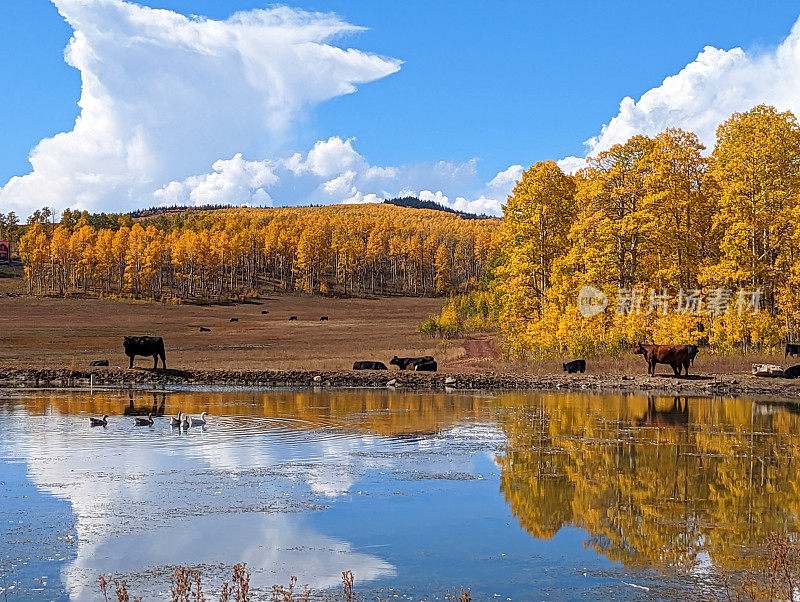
(52,332)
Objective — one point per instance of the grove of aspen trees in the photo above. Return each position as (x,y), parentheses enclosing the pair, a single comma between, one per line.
(683,246)
(207,256)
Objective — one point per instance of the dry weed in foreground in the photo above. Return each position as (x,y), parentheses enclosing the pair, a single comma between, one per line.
(347,585)
(186,587)
(463,595)
(777,581)
(287,594)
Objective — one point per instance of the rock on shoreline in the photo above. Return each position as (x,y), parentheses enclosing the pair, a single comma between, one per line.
(731,384)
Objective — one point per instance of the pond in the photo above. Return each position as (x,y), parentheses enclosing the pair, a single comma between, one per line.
(516,496)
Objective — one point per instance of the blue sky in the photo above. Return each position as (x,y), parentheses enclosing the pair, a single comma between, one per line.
(507,83)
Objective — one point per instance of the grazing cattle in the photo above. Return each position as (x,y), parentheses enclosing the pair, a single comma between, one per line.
(369,366)
(692,351)
(575,366)
(204,329)
(99,363)
(674,355)
(792,372)
(264,312)
(323,318)
(152,346)
(675,417)
(292,318)
(792,350)
(405,362)
(234,319)
(425,366)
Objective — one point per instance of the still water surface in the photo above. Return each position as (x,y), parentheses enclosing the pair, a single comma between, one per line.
(517,496)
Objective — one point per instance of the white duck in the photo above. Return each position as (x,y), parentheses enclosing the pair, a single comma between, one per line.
(201,421)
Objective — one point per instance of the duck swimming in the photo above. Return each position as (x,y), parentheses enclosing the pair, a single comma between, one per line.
(195,421)
(98,421)
(176,421)
(144,421)
(184,421)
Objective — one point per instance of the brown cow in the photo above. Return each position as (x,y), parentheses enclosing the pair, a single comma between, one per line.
(674,355)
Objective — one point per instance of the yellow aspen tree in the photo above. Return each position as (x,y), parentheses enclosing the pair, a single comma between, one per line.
(34,250)
(443,269)
(615,220)
(680,199)
(755,164)
(538,216)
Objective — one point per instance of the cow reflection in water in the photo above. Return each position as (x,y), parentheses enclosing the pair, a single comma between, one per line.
(676,417)
(157,408)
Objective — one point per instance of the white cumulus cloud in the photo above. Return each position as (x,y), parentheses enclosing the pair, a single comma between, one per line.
(506,178)
(165,96)
(334,172)
(187,110)
(234,181)
(705,93)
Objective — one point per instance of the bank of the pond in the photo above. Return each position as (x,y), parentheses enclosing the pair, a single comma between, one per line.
(723,384)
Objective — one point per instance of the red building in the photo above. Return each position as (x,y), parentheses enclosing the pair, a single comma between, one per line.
(5,250)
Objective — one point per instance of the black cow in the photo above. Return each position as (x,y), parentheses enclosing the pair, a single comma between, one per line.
(425,366)
(264,312)
(234,319)
(575,366)
(292,318)
(792,350)
(99,363)
(369,366)
(405,362)
(204,329)
(792,372)
(323,318)
(692,349)
(153,346)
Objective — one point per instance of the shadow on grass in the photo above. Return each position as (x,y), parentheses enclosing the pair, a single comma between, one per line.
(167,372)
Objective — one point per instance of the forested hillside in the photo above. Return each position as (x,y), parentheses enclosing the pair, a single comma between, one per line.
(229,253)
(417,203)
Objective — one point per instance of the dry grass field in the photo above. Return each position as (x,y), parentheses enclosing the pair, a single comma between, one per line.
(46,332)
(49,332)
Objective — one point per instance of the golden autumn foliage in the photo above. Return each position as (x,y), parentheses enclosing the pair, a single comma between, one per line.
(685,247)
(229,253)
(665,482)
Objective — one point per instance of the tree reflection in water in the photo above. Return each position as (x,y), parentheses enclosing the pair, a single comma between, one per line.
(689,484)
(668,482)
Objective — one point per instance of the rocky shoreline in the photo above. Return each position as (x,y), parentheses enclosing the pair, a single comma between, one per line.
(728,384)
